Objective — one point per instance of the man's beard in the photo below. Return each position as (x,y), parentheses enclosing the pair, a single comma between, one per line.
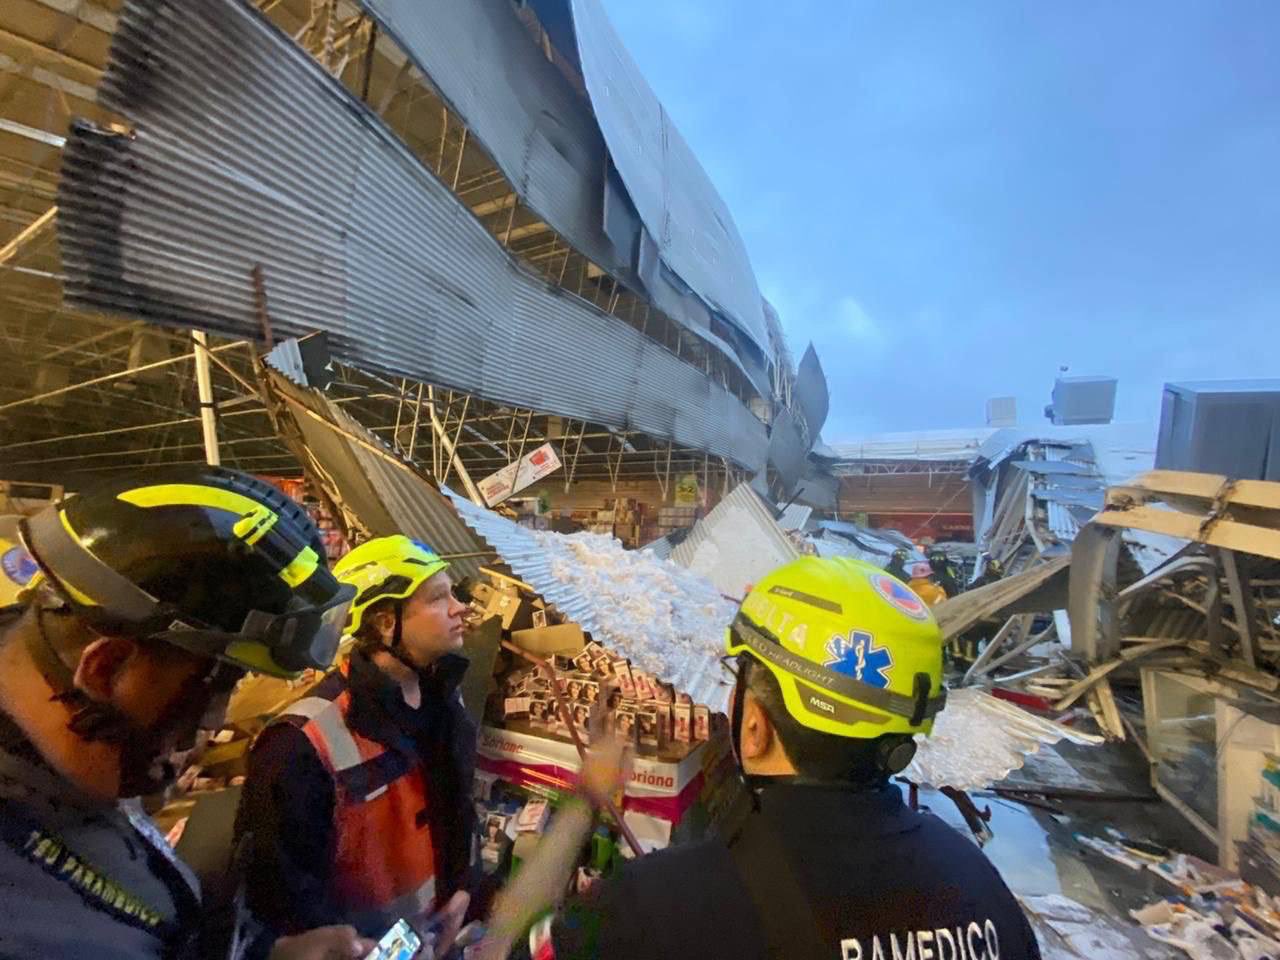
(148,755)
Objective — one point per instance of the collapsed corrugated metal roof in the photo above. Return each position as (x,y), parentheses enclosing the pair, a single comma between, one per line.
(795,516)
(686,223)
(736,544)
(787,449)
(542,135)
(246,157)
(370,482)
(666,620)
(873,545)
(1035,487)
(817,488)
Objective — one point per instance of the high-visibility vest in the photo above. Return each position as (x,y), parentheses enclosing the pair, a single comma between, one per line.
(384,860)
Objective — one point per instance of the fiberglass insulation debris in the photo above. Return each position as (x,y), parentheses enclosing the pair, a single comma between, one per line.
(979,740)
(666,620)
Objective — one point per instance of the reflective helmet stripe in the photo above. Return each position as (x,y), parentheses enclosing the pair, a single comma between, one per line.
(191,495)
(764,647)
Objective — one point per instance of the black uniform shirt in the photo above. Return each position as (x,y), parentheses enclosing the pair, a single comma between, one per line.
(882,882)
(80,878)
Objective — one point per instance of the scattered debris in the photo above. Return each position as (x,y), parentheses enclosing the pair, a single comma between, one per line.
(978,740)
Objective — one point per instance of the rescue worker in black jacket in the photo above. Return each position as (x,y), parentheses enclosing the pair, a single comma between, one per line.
(838,666)
(145,600)
(359,796)
(946,572)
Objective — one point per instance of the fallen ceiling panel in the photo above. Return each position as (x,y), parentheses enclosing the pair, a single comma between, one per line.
(1042,587)
(362,474)
(254,180)
(736,544)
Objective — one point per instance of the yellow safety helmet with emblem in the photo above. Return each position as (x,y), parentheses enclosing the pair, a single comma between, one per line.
(209,559)
(387,568)
(854,651)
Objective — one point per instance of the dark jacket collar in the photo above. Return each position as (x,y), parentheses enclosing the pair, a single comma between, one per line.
(378,709)
(877,811)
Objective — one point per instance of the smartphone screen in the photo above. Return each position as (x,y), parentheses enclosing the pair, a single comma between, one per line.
(398,943)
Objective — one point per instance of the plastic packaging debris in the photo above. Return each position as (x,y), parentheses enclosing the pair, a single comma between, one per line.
(1068,930)
(1112,851)
(1196,936)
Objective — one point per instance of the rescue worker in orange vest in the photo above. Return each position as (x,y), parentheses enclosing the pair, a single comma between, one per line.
(358,797)
(924,584)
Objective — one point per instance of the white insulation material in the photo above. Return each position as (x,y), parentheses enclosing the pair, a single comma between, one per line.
(978,740)
(665,619)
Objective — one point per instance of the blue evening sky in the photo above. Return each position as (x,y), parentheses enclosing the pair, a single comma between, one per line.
(954,199)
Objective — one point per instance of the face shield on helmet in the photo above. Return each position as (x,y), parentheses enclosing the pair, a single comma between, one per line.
(223,565)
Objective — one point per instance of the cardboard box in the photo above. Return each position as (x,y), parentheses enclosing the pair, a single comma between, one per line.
(515,612)
(563,638)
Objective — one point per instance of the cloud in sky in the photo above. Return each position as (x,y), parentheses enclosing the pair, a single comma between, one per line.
(952,200)
(854,323)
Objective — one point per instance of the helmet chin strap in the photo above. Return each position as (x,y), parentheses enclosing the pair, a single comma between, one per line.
(143,769)
(396,646)
(893,754)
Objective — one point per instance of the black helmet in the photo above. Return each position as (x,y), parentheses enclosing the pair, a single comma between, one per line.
(212,560)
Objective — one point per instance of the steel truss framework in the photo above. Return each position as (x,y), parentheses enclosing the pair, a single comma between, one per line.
(84,394)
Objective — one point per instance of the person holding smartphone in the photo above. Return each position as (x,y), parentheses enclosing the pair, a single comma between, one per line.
(358,798)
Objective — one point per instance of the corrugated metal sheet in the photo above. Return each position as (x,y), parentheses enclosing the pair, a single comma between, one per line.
(519,106)
(1067,470)
(832,546)
(246,154)
(660,548)
(683,214)
(879,543)
(795,517)
(811,394)
(697,673)
(542,135)
(386,495)
(736,544)
(787,449)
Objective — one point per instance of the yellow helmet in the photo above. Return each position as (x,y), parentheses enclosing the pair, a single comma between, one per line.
(387,568)
(855,652)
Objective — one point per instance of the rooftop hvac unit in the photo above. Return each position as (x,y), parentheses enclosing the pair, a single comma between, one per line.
(1230,427)
(1002,412)
(1079,400)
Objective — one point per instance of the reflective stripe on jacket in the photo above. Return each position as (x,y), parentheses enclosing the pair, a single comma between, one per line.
(385,859)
